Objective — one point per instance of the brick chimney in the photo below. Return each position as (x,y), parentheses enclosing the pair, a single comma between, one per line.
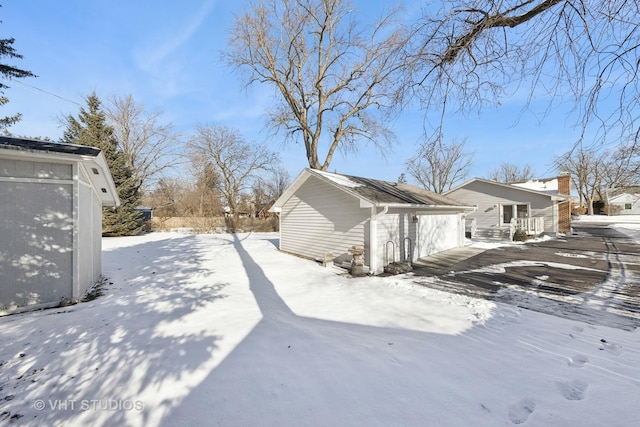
(564,184)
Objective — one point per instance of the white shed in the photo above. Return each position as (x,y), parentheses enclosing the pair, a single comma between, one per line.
(324,212)
(51,198)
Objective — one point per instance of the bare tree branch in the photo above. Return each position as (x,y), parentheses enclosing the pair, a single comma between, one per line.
(235,161)
(439,167)
(335,78)
(583,51)
(509,172)
(149,146)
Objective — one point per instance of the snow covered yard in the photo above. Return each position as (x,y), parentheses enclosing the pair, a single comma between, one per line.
(225,330)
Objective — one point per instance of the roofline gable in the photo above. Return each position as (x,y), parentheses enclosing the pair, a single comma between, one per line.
(365,202)
(90,157)
(302,178)
(560,197)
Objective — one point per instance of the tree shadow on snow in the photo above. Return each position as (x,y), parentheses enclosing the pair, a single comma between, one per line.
(130,347)
(295,370)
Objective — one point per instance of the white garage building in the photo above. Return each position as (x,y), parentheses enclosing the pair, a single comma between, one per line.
(51,198)
(324,212)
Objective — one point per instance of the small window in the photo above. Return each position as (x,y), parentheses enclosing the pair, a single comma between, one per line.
(104,190)
(95,171)
(627,206)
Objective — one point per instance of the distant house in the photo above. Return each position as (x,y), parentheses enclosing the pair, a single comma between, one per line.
(324,212)
(50,221)
(534,206)
(624,201)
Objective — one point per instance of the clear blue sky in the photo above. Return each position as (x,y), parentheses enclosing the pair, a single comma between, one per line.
(166,55)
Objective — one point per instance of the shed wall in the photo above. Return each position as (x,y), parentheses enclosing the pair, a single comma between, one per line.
(36,242)
(400,237)
(392,230)
(89,237)
(320,218)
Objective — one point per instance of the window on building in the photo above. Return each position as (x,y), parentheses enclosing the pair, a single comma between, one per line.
(522,211)
(627,206)
(514,211)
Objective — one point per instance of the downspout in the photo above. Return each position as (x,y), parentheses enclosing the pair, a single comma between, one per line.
(373,237)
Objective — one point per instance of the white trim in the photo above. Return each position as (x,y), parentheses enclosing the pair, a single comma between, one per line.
(75,260)
(373,238)
(36,180)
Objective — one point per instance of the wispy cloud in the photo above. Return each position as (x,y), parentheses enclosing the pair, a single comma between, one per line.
(149,57)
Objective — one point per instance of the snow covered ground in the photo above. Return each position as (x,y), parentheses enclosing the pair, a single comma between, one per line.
(225,330)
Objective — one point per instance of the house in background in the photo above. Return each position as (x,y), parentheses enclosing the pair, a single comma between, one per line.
(534,206)
(50,221)
(324,212)
(623,201)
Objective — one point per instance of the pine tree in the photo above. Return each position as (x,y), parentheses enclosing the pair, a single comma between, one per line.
(91,128)
(9,72)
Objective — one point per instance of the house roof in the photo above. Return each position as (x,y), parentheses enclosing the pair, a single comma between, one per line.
(553,195)
(47,146)
(91,157)
(632,189)
(373,192)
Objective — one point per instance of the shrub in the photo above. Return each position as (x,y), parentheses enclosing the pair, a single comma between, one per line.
(520,236)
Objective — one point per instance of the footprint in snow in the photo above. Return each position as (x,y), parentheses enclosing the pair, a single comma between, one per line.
(573,390)
(519,412)
(577,361)
(612,348)
(575,329)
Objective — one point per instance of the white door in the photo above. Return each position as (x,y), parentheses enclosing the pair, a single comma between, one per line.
(437,233)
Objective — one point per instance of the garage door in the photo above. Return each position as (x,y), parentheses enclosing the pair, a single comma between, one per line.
(437,233)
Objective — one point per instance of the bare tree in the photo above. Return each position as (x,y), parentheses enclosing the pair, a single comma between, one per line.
(277,182)
(149,146)
(586,167)
(509,172)
(596,170)
(586,51)
(335,79)
(439,167)
(235,161)
(622,168)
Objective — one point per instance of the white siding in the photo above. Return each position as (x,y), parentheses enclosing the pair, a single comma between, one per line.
(624,201)
(39,170)
(89,237)
(36,243)
(489,198)
(400,237)
(393,228)
(320,218)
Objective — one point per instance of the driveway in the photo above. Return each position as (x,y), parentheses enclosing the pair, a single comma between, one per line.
(593,275)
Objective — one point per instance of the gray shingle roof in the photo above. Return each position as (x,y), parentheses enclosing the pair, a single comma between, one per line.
(384,192)
(47,146)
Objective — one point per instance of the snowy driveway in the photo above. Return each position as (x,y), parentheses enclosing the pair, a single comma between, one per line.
(592,275)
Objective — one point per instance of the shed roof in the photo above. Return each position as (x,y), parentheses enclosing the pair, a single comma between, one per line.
(374,192)
(92,157)
(47,146)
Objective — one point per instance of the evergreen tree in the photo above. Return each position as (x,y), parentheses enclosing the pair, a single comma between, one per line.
(9,72)
(90,128)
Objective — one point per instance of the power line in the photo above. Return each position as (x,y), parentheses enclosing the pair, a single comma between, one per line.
(46,92)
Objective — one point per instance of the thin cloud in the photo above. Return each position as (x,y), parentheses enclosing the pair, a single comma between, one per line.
(149,56)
